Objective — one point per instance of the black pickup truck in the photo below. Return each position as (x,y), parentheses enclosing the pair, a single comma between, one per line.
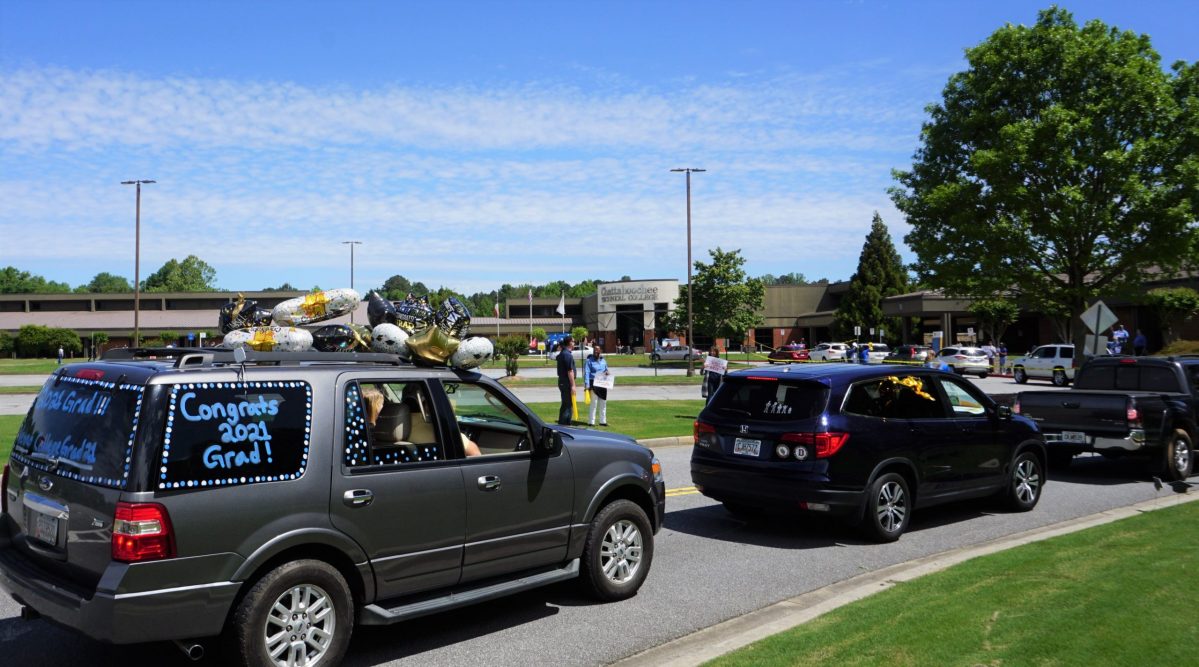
(1123,406)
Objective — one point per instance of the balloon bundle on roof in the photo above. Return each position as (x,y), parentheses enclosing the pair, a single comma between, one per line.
(242,314)
(412,329)
(246,325)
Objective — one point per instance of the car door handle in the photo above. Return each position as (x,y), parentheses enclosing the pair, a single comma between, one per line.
(489,483)
(358,497)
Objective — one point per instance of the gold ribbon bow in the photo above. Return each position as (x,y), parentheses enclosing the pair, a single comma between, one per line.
(912,383)
(263,340)
(315,304)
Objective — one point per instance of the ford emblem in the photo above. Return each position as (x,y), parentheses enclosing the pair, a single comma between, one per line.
(45,483)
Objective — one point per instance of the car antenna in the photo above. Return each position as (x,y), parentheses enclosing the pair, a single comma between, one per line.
(239,356)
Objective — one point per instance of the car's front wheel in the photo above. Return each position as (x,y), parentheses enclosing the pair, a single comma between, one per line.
(655,358)
(1059,378)
(888,508)
(1024,487)
(1019,375)
(1179,456)
(618,551)
(300,613)
(983,375)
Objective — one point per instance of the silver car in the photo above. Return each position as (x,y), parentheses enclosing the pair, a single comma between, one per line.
(965,360)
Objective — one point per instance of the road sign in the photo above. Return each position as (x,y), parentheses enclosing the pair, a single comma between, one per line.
(857,331)
(1099,317)
(191,337)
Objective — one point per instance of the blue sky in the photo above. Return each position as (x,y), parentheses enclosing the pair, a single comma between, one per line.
(470,144)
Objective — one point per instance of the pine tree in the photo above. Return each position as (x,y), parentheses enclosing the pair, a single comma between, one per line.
(880,274)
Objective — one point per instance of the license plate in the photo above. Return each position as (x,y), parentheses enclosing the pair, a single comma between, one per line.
(1074,436)
(747,447)
(45,528)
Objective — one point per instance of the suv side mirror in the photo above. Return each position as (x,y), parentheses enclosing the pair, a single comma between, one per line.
(1003,412)
(550,442)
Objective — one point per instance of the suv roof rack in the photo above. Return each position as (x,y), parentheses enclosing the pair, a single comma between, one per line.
(201,357)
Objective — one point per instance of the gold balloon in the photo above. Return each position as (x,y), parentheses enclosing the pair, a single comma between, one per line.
(433,345)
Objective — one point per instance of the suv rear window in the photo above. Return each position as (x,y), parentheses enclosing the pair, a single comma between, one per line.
(1130,377)
(224,433)
(769,399)
(81,429)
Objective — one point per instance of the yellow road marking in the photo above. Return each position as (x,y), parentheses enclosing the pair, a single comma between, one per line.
(681,491)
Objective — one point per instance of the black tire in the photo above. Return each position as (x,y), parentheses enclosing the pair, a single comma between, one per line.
(655,358)
(1023,490)
(1060,460)
(1019,375)
(1178,458)
(983,375)
(1059,378)
(888,508)
(618,551)
(295,585)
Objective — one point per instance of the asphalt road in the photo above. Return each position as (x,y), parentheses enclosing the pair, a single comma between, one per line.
(707,567)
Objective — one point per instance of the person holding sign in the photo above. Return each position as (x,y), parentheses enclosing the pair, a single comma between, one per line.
(598,380)
(714,370)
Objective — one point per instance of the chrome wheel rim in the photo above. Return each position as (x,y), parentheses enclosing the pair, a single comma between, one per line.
(300,626)
(620,552)
(1028,481)
(1182,455)
(892,506)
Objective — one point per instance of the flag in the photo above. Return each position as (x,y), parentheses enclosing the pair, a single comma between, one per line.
(497,308)
(562,305)
(530,296)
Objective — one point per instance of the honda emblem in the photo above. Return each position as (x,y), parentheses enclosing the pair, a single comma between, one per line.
(744,429)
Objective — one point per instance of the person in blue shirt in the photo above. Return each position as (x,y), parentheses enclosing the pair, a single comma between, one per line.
(566,380)
(595,365)
(864,353)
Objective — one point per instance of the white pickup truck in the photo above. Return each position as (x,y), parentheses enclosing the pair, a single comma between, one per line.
(1047,362)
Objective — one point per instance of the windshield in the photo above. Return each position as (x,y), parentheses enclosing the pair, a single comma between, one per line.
(769,399)
(81,429)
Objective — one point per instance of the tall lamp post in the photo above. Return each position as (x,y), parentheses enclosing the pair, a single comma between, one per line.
(352,244)
(137,259)
(690,305)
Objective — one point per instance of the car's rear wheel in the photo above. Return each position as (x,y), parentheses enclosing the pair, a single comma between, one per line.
(618,551)
(1019,375)
(888,508)
(1179,456)
(655,358)
(983,375)
(1024,488)
(300,613)
(1059,378)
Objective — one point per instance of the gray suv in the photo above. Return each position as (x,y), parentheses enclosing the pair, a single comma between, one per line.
(276,500)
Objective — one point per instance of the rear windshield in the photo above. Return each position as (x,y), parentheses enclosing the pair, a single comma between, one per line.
(81,429)
(227,433)
(1129,377)
(770,400)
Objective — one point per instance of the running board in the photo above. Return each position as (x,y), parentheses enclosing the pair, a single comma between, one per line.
(379,614)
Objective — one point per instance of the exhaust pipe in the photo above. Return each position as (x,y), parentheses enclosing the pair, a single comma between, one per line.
(194,650)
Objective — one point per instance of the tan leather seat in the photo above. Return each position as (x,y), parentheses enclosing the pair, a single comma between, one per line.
(420,423)
(393,424)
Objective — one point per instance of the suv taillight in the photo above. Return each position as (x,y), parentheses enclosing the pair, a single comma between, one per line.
(705,435)
(825,444)
(1132,414)
(141,532)
(4,490)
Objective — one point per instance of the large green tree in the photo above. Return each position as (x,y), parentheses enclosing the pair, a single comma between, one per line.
(1059,167)
(880,274)
(106,283)
(726,300)
(190,275)
(16,281)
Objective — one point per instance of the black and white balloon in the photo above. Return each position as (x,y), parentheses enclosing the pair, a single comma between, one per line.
(390,338)
(472,352)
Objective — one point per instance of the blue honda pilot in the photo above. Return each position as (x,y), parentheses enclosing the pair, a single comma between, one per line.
(869,443)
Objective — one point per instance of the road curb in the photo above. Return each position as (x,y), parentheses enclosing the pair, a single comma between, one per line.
(716,640)
(672,441)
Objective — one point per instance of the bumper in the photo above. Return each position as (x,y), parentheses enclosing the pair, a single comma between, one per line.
(1134,441)
(659,505)
(772,490)
(119,618)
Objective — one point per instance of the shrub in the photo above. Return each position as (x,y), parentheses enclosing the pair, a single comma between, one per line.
(510,348)
(34,340)
(1181,347)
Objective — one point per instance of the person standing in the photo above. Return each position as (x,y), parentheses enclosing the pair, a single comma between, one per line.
(991,353)
(1002,357)
(60,353)
(864,353)
(1140,344)
(712,379)
(596,365)
(1120,336)
(566,380)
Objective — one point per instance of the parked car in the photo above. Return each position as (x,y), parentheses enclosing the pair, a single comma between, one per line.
(1141,407)
(829,352)
(188,495)
(869,443)
(907,353)
(789,353)
(1048,362)
(675,353)
(964,359)
(878,352)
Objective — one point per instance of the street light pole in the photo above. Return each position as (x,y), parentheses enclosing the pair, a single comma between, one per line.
(352,244)
(137,259)
(690,305)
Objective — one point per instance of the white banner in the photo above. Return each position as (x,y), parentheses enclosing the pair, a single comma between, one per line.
(604,380)
(716,364)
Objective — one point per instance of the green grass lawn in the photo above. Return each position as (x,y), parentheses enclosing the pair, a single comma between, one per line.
(32,366)
(8,432)
(518,381)
(1119,594)
(28,389)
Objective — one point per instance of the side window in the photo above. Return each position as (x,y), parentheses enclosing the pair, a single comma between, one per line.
(1158,378)
(962,402)
(1067,353)
(1044,353)
(487,425)
(1097,377)
(390,423)
(894,397)
(227,433)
